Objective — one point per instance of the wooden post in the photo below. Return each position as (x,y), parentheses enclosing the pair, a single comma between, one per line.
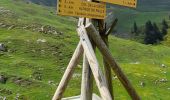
(87,77)
(107,68)
(107,55)
(68,73)
(88,49)
(87,81)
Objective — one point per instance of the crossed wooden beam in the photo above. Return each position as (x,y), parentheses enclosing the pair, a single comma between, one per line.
(90,38)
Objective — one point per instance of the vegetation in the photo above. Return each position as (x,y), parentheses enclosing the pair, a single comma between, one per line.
(151,33)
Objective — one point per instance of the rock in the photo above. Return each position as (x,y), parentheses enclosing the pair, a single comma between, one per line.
(55,33)
(45,29)
(3,47)
(135,63)
(3,79)
(41,40)
(11,27)
(1,24)
(76,75)
(164,72)
(51,83)
(142,84)
(163,80)
(163,65)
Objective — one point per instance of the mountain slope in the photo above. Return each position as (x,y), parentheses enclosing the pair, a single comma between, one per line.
(153,5)
(143,5)
(45,2)
(36,60)
(154,10)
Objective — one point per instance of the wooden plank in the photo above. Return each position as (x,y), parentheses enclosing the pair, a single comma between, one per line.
(98,76)
(128,3)
(68,73)
(81,9)
(110,60)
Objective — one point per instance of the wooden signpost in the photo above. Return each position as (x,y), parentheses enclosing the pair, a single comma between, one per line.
(128,3)
(81,8)
(92,37)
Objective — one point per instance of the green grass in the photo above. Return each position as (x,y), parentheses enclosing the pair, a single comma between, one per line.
(23,63)
(27,58)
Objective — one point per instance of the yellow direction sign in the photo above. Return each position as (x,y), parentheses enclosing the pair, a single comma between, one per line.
(81,8)
(128,3)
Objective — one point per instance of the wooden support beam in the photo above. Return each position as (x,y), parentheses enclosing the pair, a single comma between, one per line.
(68,73)
(107,68)
(87,81)
(108,73)
(87,77)
(109,31)
(110,60)
(99,78)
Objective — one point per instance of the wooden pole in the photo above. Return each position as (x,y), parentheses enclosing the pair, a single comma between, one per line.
(87,81)
(87,77)
(68,73)
(107,55)
(109,31)
(107,68)
(88,49)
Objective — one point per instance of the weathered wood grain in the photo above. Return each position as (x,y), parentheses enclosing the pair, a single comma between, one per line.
(107,68)
(110,60)
(98,76)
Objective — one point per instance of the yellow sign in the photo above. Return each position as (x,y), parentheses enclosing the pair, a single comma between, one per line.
(128,3)
(81,9)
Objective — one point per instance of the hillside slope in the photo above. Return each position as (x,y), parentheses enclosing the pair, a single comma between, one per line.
(143,5)
(154,10)
(36,57)
(44,2)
